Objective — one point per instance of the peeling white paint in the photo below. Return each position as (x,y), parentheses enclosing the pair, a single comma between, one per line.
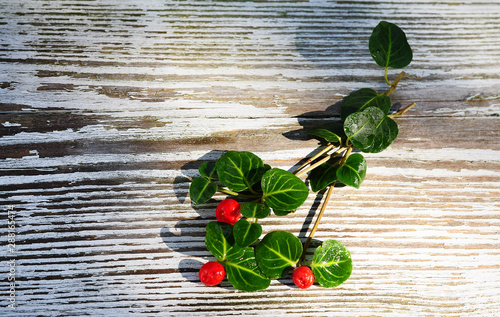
(113,241)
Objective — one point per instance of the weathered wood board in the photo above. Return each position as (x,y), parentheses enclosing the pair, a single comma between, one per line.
(108,107)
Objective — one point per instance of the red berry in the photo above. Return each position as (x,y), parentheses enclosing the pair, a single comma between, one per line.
(212,273)
(228,211)
(303,277)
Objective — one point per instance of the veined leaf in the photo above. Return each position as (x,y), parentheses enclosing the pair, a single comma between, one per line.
(201,190)
(322,176)
(361,127)
(239,170)
(219,239)
(243,272)
(255,210)
(353,172)
(246,233)
(387,132)
(362,99)
(283,190)
(207,169)
(332,264)
(371,130)
(257,187)
(277,252)
(389,47)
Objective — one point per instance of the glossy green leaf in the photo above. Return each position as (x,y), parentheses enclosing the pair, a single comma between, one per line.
(322,176)
(362,99)
(207,169)
(332,264)
(360,128)
(330,132)
(325,134)
(239,170)
(353,172)
(387,132)
(246,233)
(201,190)
(371,130)
(219,239)
(277,252)
(281,213)
(243,272)
(389,47)
(258,186)
(254,210)
(283,190)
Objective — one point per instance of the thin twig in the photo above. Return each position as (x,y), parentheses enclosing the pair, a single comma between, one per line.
(310,168)
(344,158)
(402,111)
(318,219)
(326,149)
(323,160)
(394,84)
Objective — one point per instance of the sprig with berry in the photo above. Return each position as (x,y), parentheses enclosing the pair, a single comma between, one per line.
(366,123)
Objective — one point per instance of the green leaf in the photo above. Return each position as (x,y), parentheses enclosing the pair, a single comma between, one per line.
(322,176)
(282,212)
(362,99)
(255,210)
(243,272)
(201,190)
(277,252)
(353,172)
(332,264)
(360,128)
(325,134)
(219,239)
(246,233)
(371,130)
(387,132)
(330,132)
(239,170)
(389,47)
(207,169)
(283,190)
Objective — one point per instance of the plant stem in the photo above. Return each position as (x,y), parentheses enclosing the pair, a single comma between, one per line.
(310,168)
(232,193)
(394,84)
(323,160)
(402,111)
(385,77)
(326,149)
(318,219)
(342,149)
(344,158)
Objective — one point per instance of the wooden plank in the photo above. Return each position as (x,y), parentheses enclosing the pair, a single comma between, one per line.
(108,107)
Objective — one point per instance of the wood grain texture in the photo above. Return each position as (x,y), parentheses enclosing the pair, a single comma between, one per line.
(107,108)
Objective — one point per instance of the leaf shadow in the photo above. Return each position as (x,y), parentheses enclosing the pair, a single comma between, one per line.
(310,215)
(187,236)
(311,119)
(189,269)
(190,170)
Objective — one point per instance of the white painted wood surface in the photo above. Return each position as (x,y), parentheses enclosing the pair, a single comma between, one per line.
(108,107)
